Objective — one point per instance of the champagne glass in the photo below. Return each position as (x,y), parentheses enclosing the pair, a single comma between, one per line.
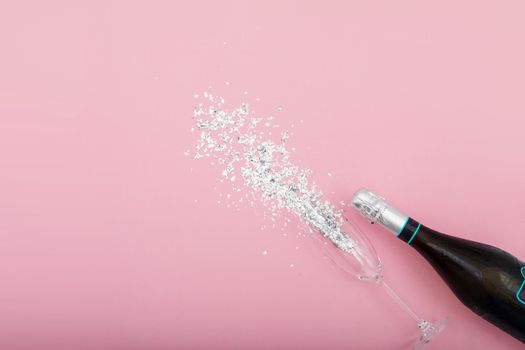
(267,170)
(364,264)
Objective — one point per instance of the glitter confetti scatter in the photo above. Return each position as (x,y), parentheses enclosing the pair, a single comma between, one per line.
(246,152)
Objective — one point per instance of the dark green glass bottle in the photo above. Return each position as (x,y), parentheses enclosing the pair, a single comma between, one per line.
(488,280)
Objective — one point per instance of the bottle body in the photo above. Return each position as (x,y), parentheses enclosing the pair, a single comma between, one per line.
(488,280)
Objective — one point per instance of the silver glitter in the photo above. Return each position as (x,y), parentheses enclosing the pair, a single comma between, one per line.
(235,140)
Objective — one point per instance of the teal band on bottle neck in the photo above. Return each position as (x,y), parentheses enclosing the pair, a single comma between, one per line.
(414,234)
(403,227)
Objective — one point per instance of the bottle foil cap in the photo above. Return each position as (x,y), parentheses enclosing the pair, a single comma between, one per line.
(376,209)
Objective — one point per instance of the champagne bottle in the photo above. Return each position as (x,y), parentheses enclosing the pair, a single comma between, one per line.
(488,280)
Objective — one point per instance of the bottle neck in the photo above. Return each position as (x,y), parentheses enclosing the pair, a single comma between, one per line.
(377,210)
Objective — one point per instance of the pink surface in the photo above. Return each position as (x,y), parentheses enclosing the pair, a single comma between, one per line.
(110,238)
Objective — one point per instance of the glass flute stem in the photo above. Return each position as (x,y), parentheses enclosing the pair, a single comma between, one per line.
(392,293)
(427,329)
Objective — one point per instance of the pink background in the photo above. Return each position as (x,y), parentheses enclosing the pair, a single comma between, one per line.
(110,238)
